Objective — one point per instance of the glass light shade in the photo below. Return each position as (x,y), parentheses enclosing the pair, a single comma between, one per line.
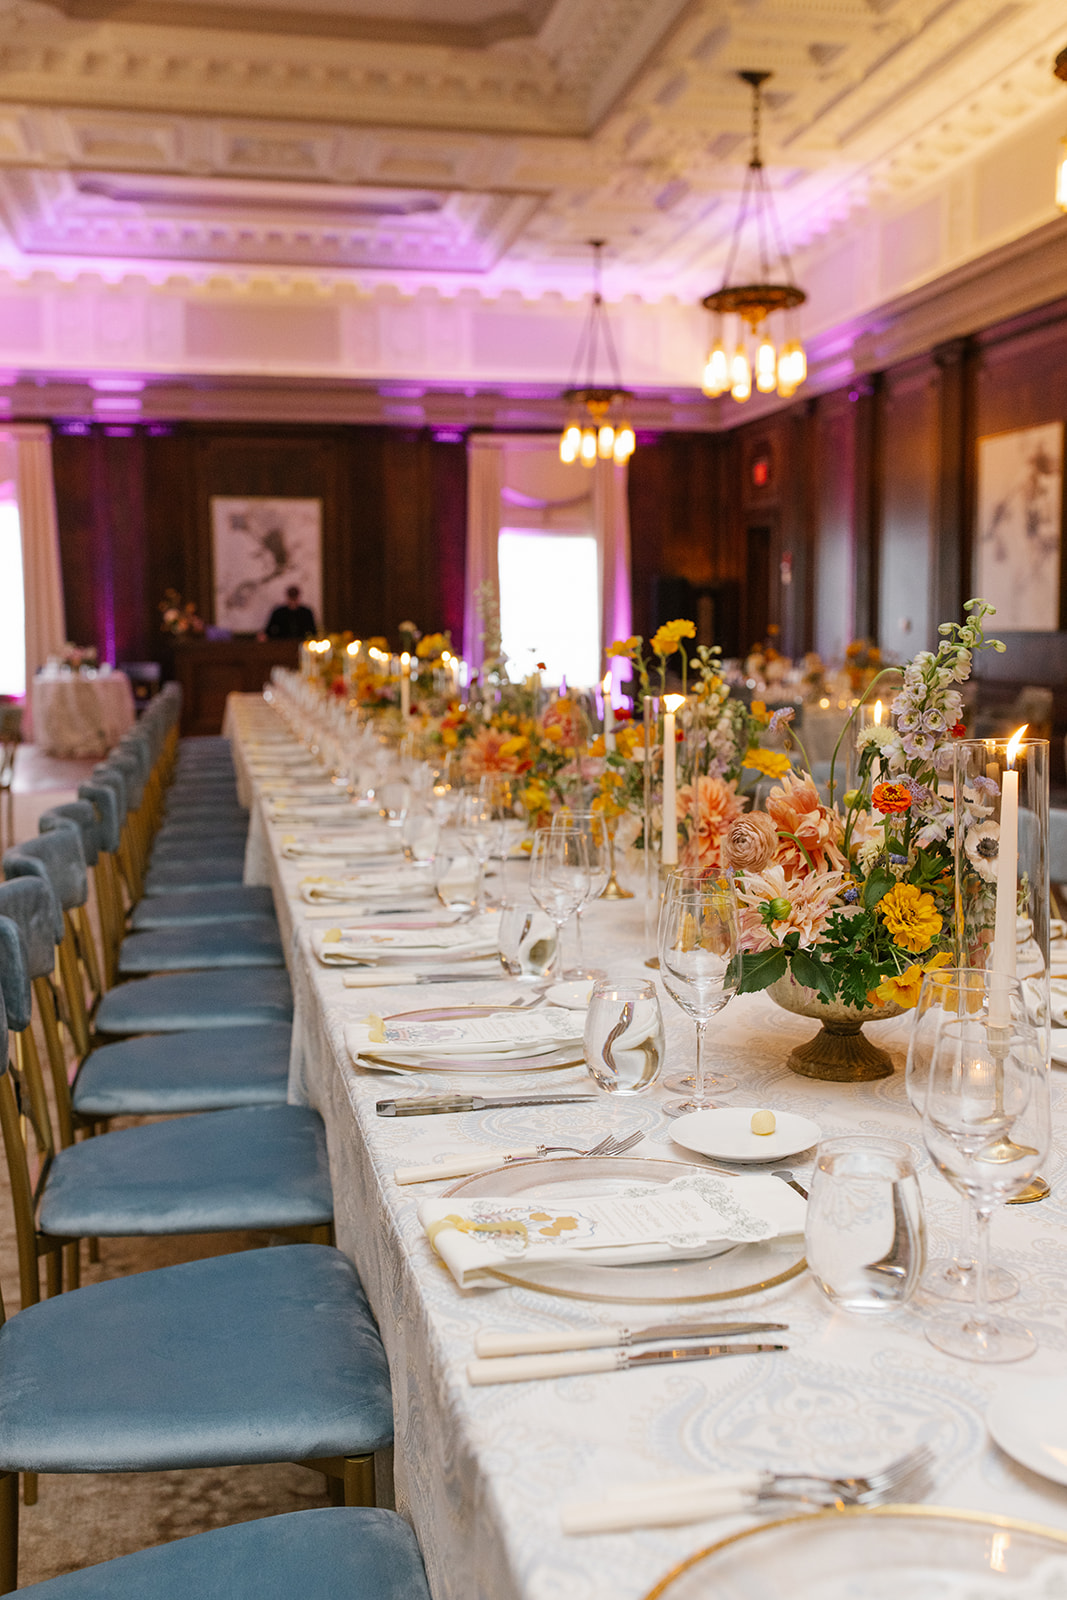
(570,442)
(717,372)
(588,446)
(792,367)
(740,375)
(1061,178)
(625,443)
(605,441)
(766,366)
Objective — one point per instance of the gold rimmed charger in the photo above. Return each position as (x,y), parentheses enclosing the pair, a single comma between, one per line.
(789,1555)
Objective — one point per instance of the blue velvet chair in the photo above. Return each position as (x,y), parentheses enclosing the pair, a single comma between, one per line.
(259,1166)
(333,1553)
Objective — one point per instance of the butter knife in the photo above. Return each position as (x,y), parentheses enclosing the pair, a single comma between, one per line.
(522,1369)
(415,1106)
(531,1344)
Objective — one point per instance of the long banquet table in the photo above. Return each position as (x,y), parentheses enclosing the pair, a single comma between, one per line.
(482,1472)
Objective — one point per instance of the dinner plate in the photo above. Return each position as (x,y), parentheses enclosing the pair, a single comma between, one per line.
(485,1066)
(871,1553)
(1028,1420)
(726,1274)
(727,1134)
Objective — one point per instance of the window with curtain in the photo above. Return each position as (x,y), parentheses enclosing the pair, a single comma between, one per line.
(12,596)
(550,603)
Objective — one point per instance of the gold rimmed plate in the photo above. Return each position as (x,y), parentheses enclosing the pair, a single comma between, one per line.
(866,1553)
(723,1274)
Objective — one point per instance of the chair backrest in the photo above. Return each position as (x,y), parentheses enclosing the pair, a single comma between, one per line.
(81,816)
(111,778)
(62,859)
(25,907)
(129,765)
(102,797)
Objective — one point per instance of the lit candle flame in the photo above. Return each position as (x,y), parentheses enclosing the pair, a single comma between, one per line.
(1014,742)
(674,702)
(878,713)
(354,647)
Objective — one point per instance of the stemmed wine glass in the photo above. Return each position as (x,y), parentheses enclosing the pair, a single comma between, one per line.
(474,825)
(559,879)
(987,1127)
(502,793)
(698,947)
(947,1277)
(591,824)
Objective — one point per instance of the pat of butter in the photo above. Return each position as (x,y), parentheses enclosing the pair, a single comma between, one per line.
(763,1122)
(331,936)
(376,1028)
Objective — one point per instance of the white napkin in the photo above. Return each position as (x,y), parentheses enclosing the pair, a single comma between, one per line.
(500,1035)
(372,883)
(458,942)
(324,846)
(1058,1002)
(645,1222)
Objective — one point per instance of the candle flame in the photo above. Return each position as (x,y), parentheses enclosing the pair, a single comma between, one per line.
(606,685)
(354,648)
(878,713)
(674,702)
(1014,742)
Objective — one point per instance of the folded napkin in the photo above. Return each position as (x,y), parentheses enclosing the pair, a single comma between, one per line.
(499,1035)
(372,883)
(327,845)
(464,1166)
(330,814)
(465,941)
(667,1503)
(688,1217)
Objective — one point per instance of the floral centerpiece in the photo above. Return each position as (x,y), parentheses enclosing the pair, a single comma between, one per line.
(77,656)
(180,619)
(844,910)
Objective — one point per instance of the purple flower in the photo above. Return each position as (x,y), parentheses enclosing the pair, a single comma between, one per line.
(988,786)
(850,896)
(781,719)
(920,794)
(898,861)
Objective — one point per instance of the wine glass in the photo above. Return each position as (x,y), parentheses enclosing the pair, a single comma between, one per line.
(698,947)
(474,825)
(987,1127)
(591,824)
(502,793)
(559,879)
(947,1277)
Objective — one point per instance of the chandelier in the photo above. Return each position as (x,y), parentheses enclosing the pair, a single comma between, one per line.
(1060,70)
(782,369)
(590,433)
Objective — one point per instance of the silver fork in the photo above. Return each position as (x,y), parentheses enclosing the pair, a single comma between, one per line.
(907,1475)
(611,1146)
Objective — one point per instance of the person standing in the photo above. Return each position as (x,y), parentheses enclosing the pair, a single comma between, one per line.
(291,620)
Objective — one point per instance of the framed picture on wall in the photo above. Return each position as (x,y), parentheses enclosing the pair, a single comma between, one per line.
(1019,527)
(261,548)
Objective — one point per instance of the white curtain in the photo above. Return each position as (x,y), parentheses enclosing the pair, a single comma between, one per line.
(521,478)
(41,574)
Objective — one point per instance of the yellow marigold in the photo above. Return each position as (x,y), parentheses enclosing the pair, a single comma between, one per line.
(665,640)
(902,989)
(625,647)
(772,763)
(758,709)
(450,737)
(629,740)
(598,747)
(513,747)
(431,646)
(911,917)
(553,734)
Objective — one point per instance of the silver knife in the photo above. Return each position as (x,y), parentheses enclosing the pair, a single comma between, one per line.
(415,1106)
(532,1344)
(521,1369)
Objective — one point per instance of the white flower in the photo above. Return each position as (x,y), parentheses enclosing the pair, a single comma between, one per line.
(934,832)
(982,845)
(879,733)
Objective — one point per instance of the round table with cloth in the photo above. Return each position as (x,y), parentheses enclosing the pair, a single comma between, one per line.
(79,717)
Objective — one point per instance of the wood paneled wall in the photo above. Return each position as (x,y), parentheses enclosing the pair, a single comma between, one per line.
(134,519)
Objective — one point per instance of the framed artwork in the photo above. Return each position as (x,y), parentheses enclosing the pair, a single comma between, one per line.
(1019,527)
(260,548)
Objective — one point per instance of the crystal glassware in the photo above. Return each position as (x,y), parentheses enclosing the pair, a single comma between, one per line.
(474,824)
(594,827)
(559,879)
(698,947)
(987,1127)
(865,1233)
(624,1036)
(527,940)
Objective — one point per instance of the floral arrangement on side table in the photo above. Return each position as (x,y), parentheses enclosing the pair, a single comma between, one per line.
(852,907)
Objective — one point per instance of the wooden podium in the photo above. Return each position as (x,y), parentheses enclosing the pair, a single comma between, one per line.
(210,669)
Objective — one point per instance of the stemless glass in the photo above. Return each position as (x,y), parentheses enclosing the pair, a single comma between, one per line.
(527,940)
(698,943)
(987,1127)
(419,834)
(591,823)
(865,1234)
(624,1036)
(947,1277)
(559,879)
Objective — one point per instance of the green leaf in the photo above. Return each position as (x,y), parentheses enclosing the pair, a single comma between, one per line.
(877,887)
(813,974)
(761,968)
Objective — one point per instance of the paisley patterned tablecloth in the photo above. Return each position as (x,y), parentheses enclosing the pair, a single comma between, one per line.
(482,1472)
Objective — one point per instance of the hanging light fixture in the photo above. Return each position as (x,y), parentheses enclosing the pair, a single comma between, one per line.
(1060,70)
(591,434)
(756,359)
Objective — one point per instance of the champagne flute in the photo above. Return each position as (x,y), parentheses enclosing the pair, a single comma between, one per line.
(592,825)
(987,1127)
(947,1277)
(559,879)
(698,946)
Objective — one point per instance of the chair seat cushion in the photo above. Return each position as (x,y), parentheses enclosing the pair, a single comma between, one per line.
(172,1001)
(233,903)
(254,1167)
(253,943)
(206,1070)
(266,1355)
(325,1554)
(183,877)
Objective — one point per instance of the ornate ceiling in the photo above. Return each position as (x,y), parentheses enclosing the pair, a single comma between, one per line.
(471,147)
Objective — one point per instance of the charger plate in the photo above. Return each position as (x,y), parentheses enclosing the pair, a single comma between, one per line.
(482,1066)
(726,1274)
(866,1553)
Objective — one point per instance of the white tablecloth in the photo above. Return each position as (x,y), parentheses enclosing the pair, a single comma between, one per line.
(81,717)
(481,1473)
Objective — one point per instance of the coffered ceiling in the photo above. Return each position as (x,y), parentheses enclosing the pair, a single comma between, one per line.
(472,147)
